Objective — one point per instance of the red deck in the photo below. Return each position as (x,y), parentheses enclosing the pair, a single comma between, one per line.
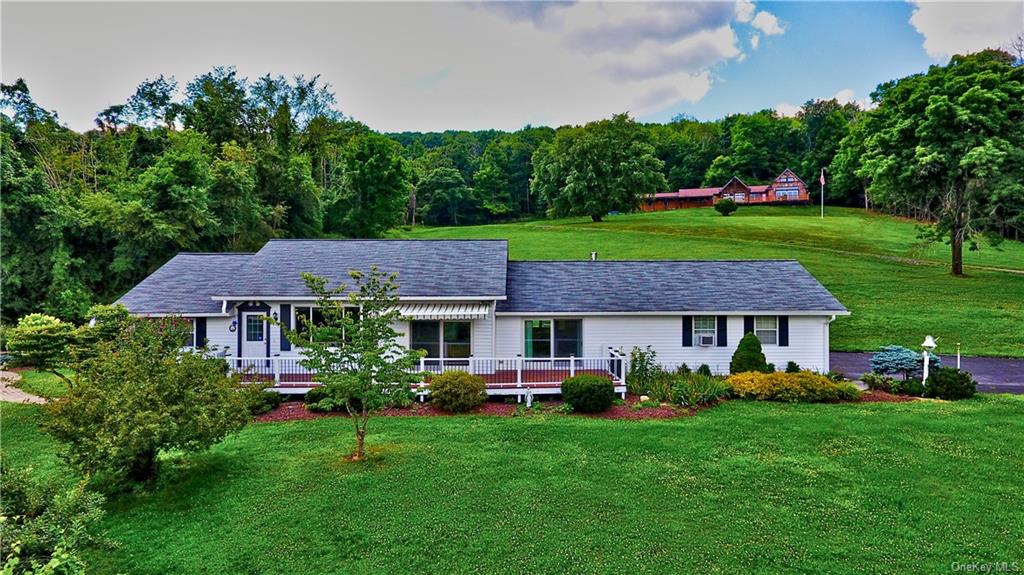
(500,379)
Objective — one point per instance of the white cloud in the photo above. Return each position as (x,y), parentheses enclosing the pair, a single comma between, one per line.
(755,41)
(395,66)
(961,27)
(767,23)
(844,96)
(787,110)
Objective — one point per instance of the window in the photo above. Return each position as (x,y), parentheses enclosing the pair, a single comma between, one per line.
(307,316)
(553,338)
(705,330)
(191,341)
(787,193)
(453,339)
(253,328)
(766,328)
(740,197)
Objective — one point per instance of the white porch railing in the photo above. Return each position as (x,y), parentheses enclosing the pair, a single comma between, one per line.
(502,375)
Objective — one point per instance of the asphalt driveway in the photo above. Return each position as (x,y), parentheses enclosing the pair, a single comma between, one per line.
(993,374)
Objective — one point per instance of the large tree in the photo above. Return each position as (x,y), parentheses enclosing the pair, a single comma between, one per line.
(375,186)
(951,142)
(603,166)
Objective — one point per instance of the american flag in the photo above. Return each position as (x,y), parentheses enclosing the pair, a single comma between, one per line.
(822,180)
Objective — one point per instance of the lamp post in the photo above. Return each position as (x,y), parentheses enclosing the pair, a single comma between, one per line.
(928,344)
(958,355)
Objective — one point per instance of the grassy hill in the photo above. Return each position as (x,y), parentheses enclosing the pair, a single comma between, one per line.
(896,289)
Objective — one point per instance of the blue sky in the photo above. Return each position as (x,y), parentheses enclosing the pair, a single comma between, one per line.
(435,66)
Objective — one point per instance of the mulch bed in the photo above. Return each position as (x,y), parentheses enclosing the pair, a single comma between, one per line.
(296,410)
(876,396)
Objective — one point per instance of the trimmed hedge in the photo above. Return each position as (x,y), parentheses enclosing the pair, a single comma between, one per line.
(950,383)
(805,387)
(457,391)
(588,393)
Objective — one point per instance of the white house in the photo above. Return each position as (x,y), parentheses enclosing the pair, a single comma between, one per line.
(520,324)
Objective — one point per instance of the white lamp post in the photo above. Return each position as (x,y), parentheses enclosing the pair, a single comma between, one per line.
(928,345)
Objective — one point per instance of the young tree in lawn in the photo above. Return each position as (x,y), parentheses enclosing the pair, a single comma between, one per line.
(355,350)
(142,395)
(603,166)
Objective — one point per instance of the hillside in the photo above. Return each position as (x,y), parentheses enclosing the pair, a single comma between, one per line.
(896,290)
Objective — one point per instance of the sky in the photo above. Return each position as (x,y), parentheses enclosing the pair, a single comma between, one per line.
(434,66)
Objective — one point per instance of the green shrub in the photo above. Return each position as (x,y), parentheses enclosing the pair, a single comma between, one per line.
(748,356)
(457,391)
(330,399)
(660,387)
(683,369)
(950,383)
(726,206)
(588,393)
(693,390)
(642,370)
(878,382)
(42,341)
(912,386)
(804,386)
(836,376)
(792,367)
(847,391)
(264,402)
(704,370)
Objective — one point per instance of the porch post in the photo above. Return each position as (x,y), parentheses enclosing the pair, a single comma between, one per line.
(572,365)
(519,371)
(277,370)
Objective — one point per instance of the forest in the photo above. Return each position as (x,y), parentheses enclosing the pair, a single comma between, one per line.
(224,162)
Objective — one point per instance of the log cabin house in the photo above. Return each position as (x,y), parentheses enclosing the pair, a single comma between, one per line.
(786,188)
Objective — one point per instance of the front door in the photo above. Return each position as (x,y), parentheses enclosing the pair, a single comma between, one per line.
(254,334)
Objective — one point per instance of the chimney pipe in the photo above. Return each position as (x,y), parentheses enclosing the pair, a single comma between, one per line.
(593,256)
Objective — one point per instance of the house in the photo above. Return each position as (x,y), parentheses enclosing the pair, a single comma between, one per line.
(522,325)
(786,188)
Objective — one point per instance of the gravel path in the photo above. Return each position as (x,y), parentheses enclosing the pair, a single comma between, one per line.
(993,374)
(10,393)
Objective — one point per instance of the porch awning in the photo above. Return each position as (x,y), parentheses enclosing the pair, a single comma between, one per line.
(444,310)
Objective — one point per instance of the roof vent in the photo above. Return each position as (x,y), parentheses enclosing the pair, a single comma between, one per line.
(593,256)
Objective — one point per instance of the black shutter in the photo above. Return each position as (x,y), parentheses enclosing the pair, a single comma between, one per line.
(748,324)
(286,324)
(723,339)
(784,330)
(687,331)
(200,332)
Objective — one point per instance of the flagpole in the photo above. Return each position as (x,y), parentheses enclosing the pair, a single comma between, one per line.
(823,194)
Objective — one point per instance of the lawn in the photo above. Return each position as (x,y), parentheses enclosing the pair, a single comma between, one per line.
(42,383)
(741,488)
(897,290)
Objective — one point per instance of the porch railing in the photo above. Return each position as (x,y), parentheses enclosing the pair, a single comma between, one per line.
(497,372)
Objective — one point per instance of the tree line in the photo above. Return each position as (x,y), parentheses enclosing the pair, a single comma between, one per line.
(227,162)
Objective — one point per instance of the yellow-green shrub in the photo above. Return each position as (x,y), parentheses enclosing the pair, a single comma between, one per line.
(804,386)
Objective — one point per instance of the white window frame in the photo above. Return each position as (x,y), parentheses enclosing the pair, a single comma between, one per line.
(295,318)
(440,337)
(698,331)
(263,328)
(769,325)
(551,335)
(191,343)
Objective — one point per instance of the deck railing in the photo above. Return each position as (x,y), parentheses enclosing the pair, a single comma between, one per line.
(499,373)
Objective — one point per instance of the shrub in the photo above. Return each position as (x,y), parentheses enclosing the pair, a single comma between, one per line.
(588,393)
(261,400)
(878,382)
(792,367)
(660,388)
(950,383)
(41,341)
(330,398)
(642,370)
(694,390)
(457,391)
(897,359)
(683,369)
(847,391)
(141,396)
(726,206)
(46,527)
(804,386)
(912,386)
(704,370)
(748,356)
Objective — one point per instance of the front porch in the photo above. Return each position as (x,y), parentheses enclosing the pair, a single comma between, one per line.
(517,376)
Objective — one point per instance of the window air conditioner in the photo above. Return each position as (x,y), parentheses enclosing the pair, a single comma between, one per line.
(706,340)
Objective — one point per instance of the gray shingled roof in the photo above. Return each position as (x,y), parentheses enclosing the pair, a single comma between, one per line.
(664,286)
(427,268)
(185,284)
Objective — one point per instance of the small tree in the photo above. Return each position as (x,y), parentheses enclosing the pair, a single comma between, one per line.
(726,206)
(141,395)
(748,356)
(43,342)
(369,370)
(898,359)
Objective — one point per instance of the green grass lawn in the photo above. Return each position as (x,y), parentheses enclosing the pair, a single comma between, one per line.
(897,290)
(42,383)
(741,488)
